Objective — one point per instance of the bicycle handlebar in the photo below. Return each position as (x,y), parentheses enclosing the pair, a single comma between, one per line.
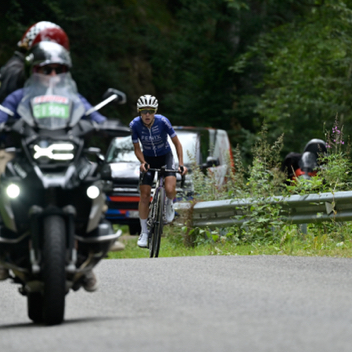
(165,170)
(183,177)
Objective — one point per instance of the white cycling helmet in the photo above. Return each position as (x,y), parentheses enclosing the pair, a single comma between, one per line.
(146,101)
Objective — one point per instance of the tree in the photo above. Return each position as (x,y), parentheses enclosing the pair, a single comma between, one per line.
(307,69)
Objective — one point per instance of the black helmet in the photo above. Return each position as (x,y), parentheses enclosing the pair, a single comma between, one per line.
(45,53)
(315,146)
(318,148)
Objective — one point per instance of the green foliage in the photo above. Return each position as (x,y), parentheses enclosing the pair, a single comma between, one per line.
(307,72)
(194,57)
(264,225)
(334,171)
(263,179)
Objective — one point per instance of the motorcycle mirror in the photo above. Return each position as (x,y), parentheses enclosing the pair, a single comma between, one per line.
(120,96)
(101,158)
(111,94)
(106,172)
(93,150)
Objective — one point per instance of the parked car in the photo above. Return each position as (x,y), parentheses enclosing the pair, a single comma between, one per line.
(209,147)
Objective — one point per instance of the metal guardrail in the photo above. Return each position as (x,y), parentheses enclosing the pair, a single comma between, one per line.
(295,209)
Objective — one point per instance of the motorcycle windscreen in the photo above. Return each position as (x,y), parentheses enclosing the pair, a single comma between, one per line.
(51,102)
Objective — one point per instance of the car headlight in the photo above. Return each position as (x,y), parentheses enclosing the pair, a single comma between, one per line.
(55,151)
(13,191)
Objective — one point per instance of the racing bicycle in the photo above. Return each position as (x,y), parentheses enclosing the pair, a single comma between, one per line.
(157,208)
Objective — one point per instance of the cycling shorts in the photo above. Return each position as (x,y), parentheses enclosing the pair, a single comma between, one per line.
(157,162)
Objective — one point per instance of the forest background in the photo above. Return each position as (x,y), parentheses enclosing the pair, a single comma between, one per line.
(229,64)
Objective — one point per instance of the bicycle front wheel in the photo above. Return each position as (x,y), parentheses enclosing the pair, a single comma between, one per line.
(157,229)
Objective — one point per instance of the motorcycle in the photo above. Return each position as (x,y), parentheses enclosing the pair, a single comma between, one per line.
(307,164)
(52,195)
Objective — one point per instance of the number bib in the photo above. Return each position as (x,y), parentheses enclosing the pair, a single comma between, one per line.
(51,106)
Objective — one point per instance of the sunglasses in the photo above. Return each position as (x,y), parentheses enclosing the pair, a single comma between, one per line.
(147,111)
(46,70)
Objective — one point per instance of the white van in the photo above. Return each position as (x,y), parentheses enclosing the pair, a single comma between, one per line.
(210,147)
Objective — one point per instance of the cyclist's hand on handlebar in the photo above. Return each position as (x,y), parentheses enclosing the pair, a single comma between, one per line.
(144,167)
(182,169)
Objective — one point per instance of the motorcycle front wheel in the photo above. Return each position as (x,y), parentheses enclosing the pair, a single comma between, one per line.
(53,269)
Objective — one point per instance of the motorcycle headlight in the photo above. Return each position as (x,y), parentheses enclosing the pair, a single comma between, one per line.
(13,191)
(93,192)
(60,151)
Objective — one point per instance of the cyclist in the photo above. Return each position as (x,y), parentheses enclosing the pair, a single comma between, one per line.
(151,130)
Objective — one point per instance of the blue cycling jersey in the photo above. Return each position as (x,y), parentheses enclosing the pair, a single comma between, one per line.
(154,140)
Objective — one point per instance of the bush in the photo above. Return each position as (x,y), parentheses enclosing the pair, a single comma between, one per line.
(264,179)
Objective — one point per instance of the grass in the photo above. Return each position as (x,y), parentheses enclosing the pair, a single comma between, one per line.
(296,248)
(293,243)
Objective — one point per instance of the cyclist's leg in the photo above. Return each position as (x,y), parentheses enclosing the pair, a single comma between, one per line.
(145,186)
(170,179)
(143,207)
(170,188)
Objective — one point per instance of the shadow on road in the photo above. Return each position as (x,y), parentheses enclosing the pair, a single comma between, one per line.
(27,325)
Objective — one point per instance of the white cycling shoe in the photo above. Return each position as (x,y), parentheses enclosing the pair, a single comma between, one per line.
(143,240)
(170,212)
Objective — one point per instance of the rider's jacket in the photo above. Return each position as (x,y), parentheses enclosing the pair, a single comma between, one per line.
(12,76)
(154,140)
(12,101)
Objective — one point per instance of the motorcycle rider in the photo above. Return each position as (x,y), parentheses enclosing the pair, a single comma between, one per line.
(46,59)
(12,74)
(304,164)
(152,131)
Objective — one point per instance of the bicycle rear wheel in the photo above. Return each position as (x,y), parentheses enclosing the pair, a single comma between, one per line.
(157,227)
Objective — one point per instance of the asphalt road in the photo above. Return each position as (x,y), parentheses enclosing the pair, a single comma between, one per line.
(218,303)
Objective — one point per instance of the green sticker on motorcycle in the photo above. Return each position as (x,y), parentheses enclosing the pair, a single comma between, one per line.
(51,110)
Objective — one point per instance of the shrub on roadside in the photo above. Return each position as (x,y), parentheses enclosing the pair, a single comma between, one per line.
(264,179)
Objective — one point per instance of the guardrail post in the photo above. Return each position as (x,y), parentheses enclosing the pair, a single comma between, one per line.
(303,228)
